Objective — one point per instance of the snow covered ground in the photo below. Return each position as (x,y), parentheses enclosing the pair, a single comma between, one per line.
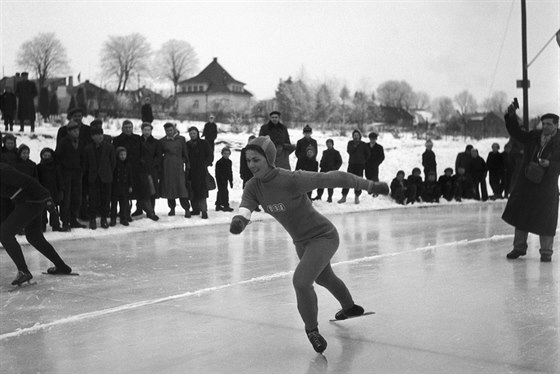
(400,154)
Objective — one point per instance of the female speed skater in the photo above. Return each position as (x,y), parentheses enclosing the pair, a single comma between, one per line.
(30,199)
(283,194)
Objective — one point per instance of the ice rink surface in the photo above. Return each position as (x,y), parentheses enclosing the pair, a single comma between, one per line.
(200,300)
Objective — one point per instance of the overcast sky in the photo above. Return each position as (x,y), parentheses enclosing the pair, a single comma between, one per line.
(440,47)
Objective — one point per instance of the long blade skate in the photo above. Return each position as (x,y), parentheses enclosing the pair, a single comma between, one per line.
(61,274)
(351,317)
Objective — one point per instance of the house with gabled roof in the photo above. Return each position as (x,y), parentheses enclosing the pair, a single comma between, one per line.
(212,91)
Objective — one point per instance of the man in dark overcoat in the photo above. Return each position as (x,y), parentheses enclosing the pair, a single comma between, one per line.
(26,92)
(278,133)
(146,113)
(150,164)
(533,205)
(200,158)
(99,164)
(358,152)
(376,157)
(302,145)
(464,160)
(8,108)
(210,133)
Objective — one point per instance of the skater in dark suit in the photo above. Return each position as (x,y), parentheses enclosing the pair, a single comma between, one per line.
(29,198)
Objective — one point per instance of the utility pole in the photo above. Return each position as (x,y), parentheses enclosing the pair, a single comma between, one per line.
(525,81)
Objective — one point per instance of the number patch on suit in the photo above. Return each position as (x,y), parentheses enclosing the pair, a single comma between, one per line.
(276,208)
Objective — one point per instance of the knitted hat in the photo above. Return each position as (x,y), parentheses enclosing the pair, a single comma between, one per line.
(21,148)
(119,150)
(96,123)
(45,150)
(373,135)
(168,124)
(307,128)
(96,131)
(269,149)
(356,131)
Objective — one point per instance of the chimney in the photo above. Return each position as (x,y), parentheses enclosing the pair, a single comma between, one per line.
(215,59)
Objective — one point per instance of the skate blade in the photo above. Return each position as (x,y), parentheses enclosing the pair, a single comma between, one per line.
(74,274)
(342,320)
(22,285)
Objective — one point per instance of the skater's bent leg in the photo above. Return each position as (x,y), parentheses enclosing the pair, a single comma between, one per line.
(336,287)
(16,220)
(314,258)
(35,237)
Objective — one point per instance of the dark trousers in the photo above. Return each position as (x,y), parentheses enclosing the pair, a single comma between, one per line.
(320,192)
(480,190)
(99,199)
(199,205)
(496,183)
(26,216)
(184,201)
(123,205)
(72,195)
(222,196)
(356,169)
(8,123)
(372,174)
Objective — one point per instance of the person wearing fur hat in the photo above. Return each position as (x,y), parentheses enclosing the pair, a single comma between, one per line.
(50,177)
(279,135)
(359,153)
(283,195)
(30,199)
(303,144)
(532,206)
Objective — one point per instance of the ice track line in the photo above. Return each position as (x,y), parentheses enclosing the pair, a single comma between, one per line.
(89,315)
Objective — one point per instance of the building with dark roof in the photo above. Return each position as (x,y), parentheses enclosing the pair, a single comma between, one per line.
(214,91)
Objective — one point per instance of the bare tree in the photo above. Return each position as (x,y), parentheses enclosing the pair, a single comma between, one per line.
(175,61)
(44,55)
(498,102)
(421,100)
(466,102)
(443,108)
(122,56)
(395,94)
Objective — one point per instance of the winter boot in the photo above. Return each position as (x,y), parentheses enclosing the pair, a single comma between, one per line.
(76,225)
(92,224)
(343,200)
(113,221)
(514,254)
(187,214)
(204,215)
(317,341)
(62,269)
(227,209)
(104,223)
(218,208)
(353,311)
(137,212)
(152,216)
(22,277)
(546,258)
(171,212)
(356,199)
(124,221)
(329,199)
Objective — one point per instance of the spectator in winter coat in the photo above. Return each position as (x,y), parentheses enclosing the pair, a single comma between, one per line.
(399,187)
(330,161)
(496,170)
(8,156)
(224,175)
(210,133)
(464,160)
(415,186)
(50,177)
(359,153)
(303,144)
(533,204)
(309,163)
(24,164)
(464,188)
(97,123)
(150,160)
(431,190)
(99,164)
(478,175)
(146,113)
(76,115)
(376,157)
(200,157)
(30,199)
(121,188)
(8,106)
(26,91)
(447,184)
(244,172)
(174,165)
(429,158)
(69,156)
(133,145)
(278,133)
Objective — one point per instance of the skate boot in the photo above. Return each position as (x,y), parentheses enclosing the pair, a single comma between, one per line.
(514,254)
(353,311)
(22,277)
(317,341)
(63,269)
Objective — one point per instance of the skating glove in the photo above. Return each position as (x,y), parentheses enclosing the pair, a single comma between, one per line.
(378,188)
(238,224)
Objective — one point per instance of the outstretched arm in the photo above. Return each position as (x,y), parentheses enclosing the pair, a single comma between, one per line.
(240,221)
(307,181)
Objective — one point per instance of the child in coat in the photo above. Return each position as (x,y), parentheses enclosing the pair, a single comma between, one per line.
(464,188)
(431,191)
(308,163)
(447,184)
(50,177)
(24,164)
(399,187)
(414,186)
(224,174)
(122,187)
(330,161)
